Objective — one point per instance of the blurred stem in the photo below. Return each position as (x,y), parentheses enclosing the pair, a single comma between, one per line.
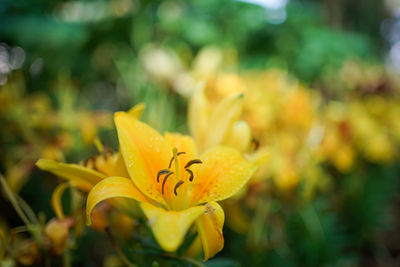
(118,249)
(257,231)
(10,196)
(21,229)
(66,258)
(312,222)
(14,202)
(27,209)
(184,258)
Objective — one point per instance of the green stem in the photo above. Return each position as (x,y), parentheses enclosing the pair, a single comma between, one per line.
(14,202)
(67,258)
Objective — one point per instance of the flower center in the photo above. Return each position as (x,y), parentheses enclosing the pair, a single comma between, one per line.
(168,172)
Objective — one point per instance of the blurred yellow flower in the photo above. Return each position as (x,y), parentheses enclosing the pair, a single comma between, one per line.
(337,145)
(218,123)
(58,232)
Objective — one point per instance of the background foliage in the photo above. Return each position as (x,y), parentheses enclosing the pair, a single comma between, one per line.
(65,66)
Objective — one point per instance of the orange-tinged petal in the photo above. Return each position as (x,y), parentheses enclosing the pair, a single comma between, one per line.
(223,173)
(169,227)
(81,177)
(209,226)
(109,188)
(145,152)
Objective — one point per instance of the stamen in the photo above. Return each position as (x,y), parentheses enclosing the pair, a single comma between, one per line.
(161,172)
(193,161)
(172,159)
(178,184)
(170,162)
(163,183)
(191,174)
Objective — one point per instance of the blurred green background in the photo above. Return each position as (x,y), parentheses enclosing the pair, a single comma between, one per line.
(64,60)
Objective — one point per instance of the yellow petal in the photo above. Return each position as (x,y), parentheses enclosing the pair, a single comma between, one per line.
(260,158)
(198,116)
(209,226)
(137,110)
(183,143)
(169,227)
(145,152)
(195,248)
(223,173)
(239,136)
(82,177)
(109,188)
(56,199)
(222,119)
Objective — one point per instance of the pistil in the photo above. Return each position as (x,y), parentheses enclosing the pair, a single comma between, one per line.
(168,172)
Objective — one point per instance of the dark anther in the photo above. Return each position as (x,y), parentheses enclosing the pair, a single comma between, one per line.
(193,161)
(161,172)
(191,174)
(165,179)
(172,159)
(178,184)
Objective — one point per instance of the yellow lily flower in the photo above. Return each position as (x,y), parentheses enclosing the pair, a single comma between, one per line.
(175,187)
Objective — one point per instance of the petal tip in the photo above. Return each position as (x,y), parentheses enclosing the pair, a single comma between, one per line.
(88,220)
(44,164)
(119,114)
(38,163)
